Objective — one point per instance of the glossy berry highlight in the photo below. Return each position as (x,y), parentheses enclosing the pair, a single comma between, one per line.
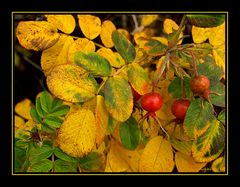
(152,102)
(179,108)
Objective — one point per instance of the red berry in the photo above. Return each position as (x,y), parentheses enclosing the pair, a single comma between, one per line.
(136,95)
(199,84)
(151,102)
(179,108)
(206,94)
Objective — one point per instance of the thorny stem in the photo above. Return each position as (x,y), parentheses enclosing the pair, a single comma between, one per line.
(159,123)
(194,65)
(163,66)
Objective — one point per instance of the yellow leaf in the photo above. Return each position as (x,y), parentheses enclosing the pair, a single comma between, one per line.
(148,19)
(186,163)
(161,39)
(77,134)
(101,114)
(56,55)
(65,23)
(90,25)
(140,39)
(37,35)
(177,132)
(22,128)
(199,34)
(71,83)
(157,156)
(23,108)
(18,123)
(169,25)
(90,105)
(218,165)
(124,32)
(106,33)
(217,35)
(113,58)
(81,44)
(219,56)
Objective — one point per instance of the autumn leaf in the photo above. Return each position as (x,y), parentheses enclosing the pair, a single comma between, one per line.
(37,35)
(23,108)
(71,83)
(77,137)
(140,38)
(65,23)
(56,55)
(124,32)
(155,48)
(157,156)
(218,165)
(148,19)
(211,144)
(90,25)
(186,163)
(199,34)
(138,78)
(106,33)
(118,98)
(81,44)
(101,114)
(113,58)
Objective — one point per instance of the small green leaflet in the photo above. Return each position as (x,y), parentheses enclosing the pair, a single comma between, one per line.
(197,117)
(93,63)
(155,48)
(63,156)
(175,89)
(20,157)
(206,20)
(218,96)
(130,133)
(123,46)
(63,166)
(46,101)
(43,165)
(34,115)
(92,161)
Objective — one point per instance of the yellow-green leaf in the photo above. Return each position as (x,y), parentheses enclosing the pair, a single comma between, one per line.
(217,35)
(81,44)
(124,32)
(180,145)
(118,98)
(185,163)
(23,108)
(157,156)
(56,55)
(211,144)
(113,57)
(93,63)
(139,79)
(148,19)
(106,33)
(37,35)
(101,114)
(218,165)
(90,25)
(71,83)
(77,135)
(199,34)
(65,23)
(140,38)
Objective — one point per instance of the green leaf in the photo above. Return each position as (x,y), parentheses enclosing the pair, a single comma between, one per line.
(206,20)
(92,161)
(211,144)
(56,103)
(123,46)
(175,89)
(63,166)
(41,113)
(218,100)
(44,165)
(197,116)
(63,156)
(53,121)
(34,115)
(60,111)
(111,124)
(181,146)
(93,63)
(130,133)
(46,128)
(210,69)
(118,98)
(221,116)
(40,152)
(155,48)
(46,101)
(138,78)
(20,157)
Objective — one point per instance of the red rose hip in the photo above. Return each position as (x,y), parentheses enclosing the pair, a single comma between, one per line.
(199,84)
(152,101)
(179,108)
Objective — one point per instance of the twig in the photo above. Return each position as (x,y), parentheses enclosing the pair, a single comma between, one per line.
(32,63)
